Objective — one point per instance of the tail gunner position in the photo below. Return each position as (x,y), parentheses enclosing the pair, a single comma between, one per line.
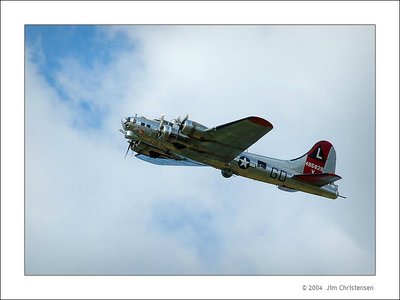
(186,142)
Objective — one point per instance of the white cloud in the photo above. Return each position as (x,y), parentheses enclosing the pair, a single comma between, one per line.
(90,211)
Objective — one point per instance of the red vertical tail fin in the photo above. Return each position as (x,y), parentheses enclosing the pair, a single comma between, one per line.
(320,159)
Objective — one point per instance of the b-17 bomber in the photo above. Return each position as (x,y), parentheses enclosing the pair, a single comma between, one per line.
(184,142)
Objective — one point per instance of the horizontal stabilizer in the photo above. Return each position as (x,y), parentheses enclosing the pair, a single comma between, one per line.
(169,162)
(317,179)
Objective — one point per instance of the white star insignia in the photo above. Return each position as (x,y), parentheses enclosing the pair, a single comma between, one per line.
(244,162)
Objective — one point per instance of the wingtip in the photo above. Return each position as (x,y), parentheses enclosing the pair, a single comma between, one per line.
(260,121)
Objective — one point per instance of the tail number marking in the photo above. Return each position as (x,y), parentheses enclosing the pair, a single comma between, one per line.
(314,166)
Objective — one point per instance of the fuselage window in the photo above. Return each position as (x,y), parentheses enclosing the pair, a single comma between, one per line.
(148,125)
(142,124)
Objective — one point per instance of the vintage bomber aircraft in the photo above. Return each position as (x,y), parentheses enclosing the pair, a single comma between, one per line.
(188,143)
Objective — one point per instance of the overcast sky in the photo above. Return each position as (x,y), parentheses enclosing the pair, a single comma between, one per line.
(89,211)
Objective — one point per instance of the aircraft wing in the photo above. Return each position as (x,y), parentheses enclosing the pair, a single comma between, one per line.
(226,141)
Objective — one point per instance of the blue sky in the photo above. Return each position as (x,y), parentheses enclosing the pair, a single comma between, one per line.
(89,211)
(87,46)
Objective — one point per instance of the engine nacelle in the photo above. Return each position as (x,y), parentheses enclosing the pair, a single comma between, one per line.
(226,173)
(193,129)
(168,131)
(130,135)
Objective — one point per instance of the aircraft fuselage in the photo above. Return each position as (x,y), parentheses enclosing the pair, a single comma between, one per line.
(148,139)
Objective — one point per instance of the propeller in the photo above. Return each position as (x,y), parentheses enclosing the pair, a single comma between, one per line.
(181,123)
(131,143)
(160,127)
(161,122)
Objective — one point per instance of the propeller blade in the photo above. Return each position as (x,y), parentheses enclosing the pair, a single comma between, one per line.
(183,121)
(127,150)
(161,122)
(129,147)
(122,131)
(185,118)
